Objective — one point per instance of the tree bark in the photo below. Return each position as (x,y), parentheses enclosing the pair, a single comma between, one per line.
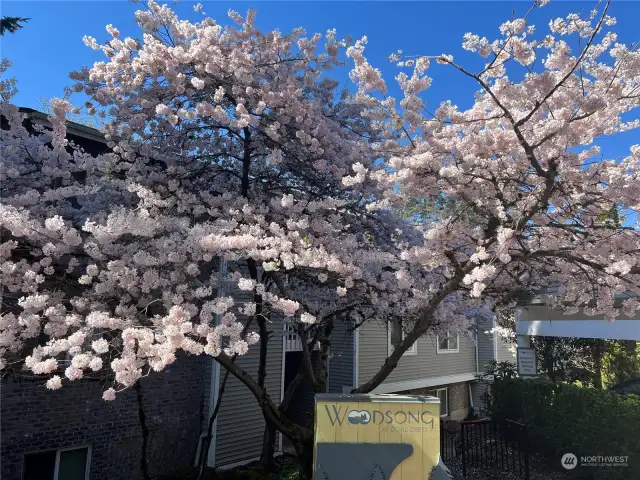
(597,359)
(142,417)
(304,454)
(268,447)
(206,442)
(269,435)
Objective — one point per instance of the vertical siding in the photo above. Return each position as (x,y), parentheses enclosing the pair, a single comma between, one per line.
(490,347)
(425,364)
(478,390)
(207,393)
(486,348)
(240,422)
(504,351)
(341,361)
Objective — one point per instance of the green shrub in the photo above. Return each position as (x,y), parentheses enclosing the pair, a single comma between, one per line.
(565,418)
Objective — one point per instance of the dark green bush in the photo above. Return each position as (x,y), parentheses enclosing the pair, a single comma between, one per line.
(564,418)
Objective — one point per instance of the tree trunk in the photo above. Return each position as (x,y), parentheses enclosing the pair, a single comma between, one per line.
(549,361)
(206,441)
(142,417)
(304,454)
(268,447)
(269,435)
(597,360)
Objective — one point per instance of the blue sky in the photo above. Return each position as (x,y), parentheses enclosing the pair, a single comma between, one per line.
(51,44)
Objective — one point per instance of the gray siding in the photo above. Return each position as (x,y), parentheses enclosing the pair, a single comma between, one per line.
(240,423)
(490,347)
(504,352)
(486,346)
(373,345)
(478,389)
(206,407)
(341,360)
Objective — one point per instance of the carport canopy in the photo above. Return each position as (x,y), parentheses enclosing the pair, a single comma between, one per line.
(541,320)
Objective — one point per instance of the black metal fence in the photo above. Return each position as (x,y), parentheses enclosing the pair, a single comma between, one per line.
(498,445)
(448,440)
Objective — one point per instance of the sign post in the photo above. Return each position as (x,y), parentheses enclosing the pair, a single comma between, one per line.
(391,437)
(527,364)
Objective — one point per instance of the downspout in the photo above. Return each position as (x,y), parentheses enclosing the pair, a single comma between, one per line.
(477,358)
(356,363)
(495,340)
(477,371)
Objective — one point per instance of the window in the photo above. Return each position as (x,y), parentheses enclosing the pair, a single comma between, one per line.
(443,395)
(396,335)
(447,343)
(62,464)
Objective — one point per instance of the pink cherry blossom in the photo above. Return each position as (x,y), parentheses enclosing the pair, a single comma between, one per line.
(232,146)
(109,394)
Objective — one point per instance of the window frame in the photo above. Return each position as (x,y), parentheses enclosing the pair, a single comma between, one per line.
(446,392)
(56,467)
(390,348)
(56,470)
(448,350)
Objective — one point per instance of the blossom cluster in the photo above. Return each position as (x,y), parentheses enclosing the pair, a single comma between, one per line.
(241,185)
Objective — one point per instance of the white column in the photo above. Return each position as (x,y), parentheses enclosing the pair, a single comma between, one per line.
(522,341)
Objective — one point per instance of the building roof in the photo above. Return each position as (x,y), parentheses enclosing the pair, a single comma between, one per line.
(73,128)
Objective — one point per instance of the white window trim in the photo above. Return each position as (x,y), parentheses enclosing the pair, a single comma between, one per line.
(410,352)
(447,402)
(448,350)
(66,449)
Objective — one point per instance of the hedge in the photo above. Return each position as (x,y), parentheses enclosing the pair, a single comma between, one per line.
(564,418)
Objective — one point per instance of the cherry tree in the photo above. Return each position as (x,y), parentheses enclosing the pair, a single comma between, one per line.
(232,144)
(227,144)
(534,195)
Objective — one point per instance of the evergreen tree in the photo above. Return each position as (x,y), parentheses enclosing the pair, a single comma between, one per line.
(12,24)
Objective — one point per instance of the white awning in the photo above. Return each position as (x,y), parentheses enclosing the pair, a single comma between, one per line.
(542,321)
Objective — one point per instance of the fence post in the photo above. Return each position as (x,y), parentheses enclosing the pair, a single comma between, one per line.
(463,446)
(526,453)
(483,442)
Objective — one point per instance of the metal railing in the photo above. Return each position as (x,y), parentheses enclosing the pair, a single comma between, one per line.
(448,440)
(498,445)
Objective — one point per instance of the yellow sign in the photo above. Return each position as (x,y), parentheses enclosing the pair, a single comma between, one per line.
(362,429)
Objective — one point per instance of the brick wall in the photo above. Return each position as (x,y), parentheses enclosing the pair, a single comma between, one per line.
(458,398)
(34,419)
